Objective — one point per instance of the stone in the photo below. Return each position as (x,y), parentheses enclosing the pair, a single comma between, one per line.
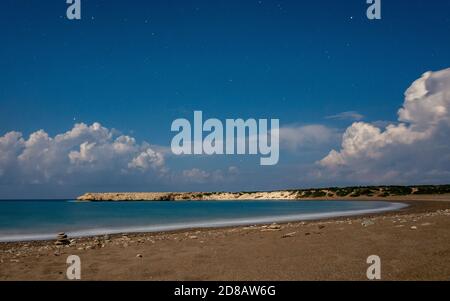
(413,228)
(274,226)
(288,235)
(139,255)
(270,230)
(367,222)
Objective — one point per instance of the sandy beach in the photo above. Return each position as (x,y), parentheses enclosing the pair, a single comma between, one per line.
(413,244)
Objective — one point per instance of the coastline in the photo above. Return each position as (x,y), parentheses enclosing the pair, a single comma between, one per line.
(391,234)
(344,193)
(382,207)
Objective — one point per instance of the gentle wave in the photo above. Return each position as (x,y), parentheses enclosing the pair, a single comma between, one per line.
(206,224)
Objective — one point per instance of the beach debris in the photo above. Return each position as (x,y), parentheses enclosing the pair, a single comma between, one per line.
(274,226)
(289,235)
(139,255)
(367,222)
(97,244)
(413,228)
(62,240)
(270,230)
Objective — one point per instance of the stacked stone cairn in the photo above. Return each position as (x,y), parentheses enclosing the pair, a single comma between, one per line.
(62,240)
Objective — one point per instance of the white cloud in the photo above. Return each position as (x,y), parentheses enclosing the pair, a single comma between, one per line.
(200,176)
(10,145)
(295,138)
(415,149)
(196,175)
(83,150)
(147,159)
(348,115)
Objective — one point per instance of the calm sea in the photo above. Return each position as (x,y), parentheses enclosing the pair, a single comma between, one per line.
(42,219)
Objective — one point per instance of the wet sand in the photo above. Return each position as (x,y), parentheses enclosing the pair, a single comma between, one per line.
(413,244)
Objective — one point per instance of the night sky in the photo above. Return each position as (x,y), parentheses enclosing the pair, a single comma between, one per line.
(135,66)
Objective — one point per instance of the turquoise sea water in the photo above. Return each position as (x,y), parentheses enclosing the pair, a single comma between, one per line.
(33,220)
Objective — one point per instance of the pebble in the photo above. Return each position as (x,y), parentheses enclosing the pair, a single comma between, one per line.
(413,228)
(139,255)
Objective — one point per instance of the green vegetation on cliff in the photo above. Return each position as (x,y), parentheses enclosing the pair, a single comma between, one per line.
(381,191)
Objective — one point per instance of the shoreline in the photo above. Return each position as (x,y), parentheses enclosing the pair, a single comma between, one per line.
(413,205)
(410,240)
(213,224)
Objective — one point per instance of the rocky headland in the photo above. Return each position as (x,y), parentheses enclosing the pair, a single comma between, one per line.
(368,192)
